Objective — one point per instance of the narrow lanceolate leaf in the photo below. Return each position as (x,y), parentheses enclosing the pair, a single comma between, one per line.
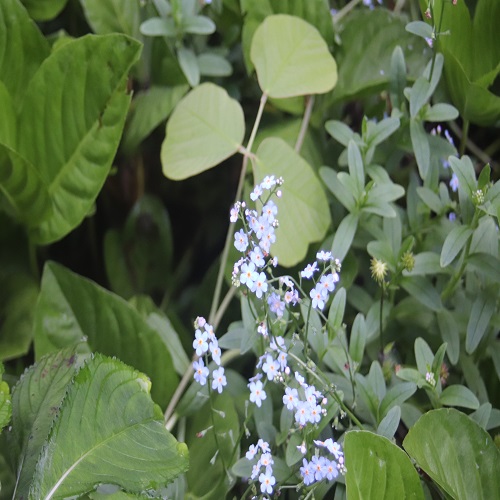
(453,243)
(22,48)
(377,468)
(344,235)
(303,208)
(206,127)
(291,58)
(70,308)
(119,429)
(479,320)
(35,400)
(70,130)
(456,453)
(421,147)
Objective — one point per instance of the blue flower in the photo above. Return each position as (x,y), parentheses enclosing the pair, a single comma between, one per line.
(257,392)
(219,379)
(200,372)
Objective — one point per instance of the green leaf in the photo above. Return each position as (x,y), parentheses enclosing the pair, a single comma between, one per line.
(303,208)
(5,401)
(198,25)
(214,65)
(422,289)
(431,199)
(21,40)
(157,26)
(456,453)
(123,430)
(8,122)
(479,320)
(35,397)
(44,10)
(71,307)
(486,264)
(291,58)
(356,169)
(332,182)
(418,96)
(339,131)
(377,468)
(75,160)
(453,243)
(206,127)
(337,309)
(382,130)
(358,338)
(113,16)
(390,423)
(421,148)
(396,396)
(189,65)
(344,235)
(149,109)
(450,334)
(459,395)
(420,28)
(397,81)
(464,170)
(441,112)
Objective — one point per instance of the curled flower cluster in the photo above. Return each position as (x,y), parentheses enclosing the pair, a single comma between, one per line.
(205,343)
(263,466)
(321,467)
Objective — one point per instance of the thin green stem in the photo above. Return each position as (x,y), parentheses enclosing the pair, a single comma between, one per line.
(381,320)
(465,133)
(345,10)
(305,123)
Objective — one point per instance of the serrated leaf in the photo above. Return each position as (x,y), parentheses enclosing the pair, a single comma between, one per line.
(35,400)
(21,40)
(459,395)
(303,208)
(291,58)
(75,158)
(479,320)
(71,308)
(206,127)
(453,244)
(122,430)
(377,468)
(456,453)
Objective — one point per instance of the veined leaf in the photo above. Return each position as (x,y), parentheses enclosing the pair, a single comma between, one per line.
(23,48)
(71,308)
(73,150)
(291,58)
(206,127)
(120,429)
(456,453)
(34,399)
(377,468)
(303,208)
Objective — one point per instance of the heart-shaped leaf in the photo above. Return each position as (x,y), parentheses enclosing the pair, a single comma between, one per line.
(206,127)
(291,58)
(303,209)
(120,428)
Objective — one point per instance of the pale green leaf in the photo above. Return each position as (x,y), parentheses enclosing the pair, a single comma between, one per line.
(122,430)
(479,320)
(422,289)
(339,131)
(344,235)
(189,65)
(22,48)
(44,10)
(356,168)
(303,208)
(214,65)
(421,147)
(157,26)
(453,243)
(396,396)
(39,391)
(420,28)
(206,127)
(456,453)
(332,182)
(198,25)
(441,112)
(418,95)
(377,468)
(390,423)
(291,58)
(464,170)
(450,334)
(71,308)
(73,151)
(357,341)
(459,395)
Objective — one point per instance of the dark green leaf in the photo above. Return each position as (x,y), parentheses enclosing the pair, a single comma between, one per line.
(377,468)
(479,320)
(453,243)
(456,453)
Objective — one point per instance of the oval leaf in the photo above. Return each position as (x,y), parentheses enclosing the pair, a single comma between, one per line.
(456,453)
(121,429)
(206,127)
(377,468)
(459,395)
(303,209)
(291,58)
(453,243)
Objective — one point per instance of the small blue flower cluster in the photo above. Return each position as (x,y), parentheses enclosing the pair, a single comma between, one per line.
(320,467)
(263,467)
(205,341)
(326,284)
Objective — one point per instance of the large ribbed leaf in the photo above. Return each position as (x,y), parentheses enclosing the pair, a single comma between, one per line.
(107,424)
(303,211)
(35,399)
(22,48)
(456,453)
(71,122)
(291,58)
(206,127)
(71,308)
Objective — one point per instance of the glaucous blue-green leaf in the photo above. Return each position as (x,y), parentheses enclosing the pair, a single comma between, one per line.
(23,48)
(332,182)
(419,28)
(157,26)
(85,124)
(206,127)
(149,109)
(389,424)
(44,10)
(479,319)
(303,208)
(120,429)
(422,289)
(377,468)
(189,65)
(449,333)
(214,65)
(113,16)
(459,395)
(456,453)
(453,243)
(344,235)
(291,58)
(464,170)
(35,400)
(71,308)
